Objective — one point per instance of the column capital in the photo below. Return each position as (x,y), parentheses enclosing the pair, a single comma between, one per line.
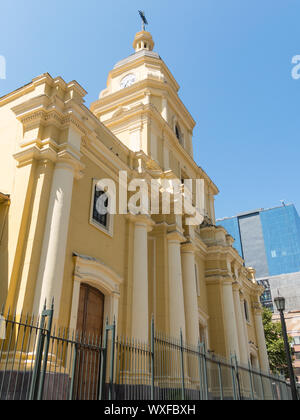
(228,281)
(257,309)
(236,287)
(66,159)
(188,248)
(175,236)
(141,220)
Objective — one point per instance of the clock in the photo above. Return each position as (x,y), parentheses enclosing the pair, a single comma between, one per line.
(127,81)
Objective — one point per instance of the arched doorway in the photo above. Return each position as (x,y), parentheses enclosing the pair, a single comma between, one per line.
(89,329)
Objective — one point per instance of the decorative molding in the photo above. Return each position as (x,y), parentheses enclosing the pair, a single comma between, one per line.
(94,272)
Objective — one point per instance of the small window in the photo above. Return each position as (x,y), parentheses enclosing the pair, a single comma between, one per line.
(246,308)
(273,254)
(177,131)
(100,204)
(179,135)
(100,216)
(296,340)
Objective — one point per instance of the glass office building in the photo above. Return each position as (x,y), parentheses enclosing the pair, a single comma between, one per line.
(269,241)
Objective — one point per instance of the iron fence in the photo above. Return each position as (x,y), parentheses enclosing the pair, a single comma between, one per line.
(41,362)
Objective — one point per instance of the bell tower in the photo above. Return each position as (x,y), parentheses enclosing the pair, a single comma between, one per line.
(141,106)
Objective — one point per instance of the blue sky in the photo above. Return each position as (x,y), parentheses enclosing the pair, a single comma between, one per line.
(232,59)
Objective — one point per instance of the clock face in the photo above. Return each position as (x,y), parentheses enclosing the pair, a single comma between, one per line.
(127,81)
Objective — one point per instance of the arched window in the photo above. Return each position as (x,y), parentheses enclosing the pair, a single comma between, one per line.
(246,311)
(178,133)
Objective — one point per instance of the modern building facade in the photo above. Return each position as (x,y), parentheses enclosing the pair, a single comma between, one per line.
(269,241)
(55,243)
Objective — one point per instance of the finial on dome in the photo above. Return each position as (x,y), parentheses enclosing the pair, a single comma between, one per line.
(144,19)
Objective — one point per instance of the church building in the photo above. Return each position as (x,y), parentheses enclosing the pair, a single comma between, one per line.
(55,244)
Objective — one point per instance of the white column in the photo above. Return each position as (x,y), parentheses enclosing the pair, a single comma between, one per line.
(140,311)
(176,299)
(230,322)
(190,293)
(51,270)
(261,341)
(244,354)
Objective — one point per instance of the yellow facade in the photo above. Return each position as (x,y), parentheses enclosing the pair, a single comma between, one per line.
(52,151)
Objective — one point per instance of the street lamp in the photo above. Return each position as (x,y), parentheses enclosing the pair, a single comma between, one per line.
(280,305)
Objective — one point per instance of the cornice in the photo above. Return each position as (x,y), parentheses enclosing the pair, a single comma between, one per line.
(38,110)
(114,100)
(61,156)
(176,236)
(214,279)
(144,59)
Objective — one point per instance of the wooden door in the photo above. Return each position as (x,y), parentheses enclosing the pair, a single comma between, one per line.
(90,329)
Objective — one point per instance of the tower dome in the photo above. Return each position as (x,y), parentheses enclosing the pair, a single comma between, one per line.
(143,41)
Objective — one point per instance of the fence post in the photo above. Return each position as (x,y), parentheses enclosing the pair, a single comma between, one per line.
(48,314)
(152,359)
(272,387)
(200,371)
(71,394)
(280,388)
(182,367)
(251,380)
(235,385)
(240,397)
(220,381)
(112,361)
(206,397)
(39,356)
(262,385)
(103,364)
